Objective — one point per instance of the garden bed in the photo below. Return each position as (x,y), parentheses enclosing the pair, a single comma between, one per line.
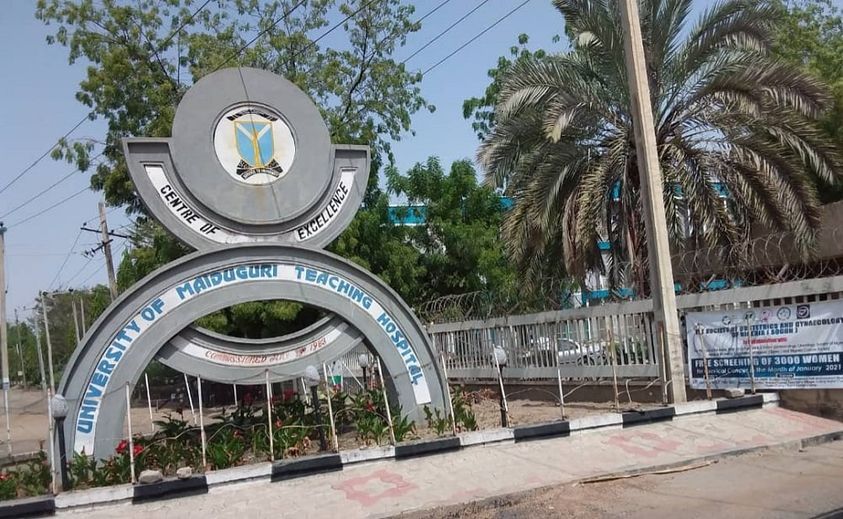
(239,435)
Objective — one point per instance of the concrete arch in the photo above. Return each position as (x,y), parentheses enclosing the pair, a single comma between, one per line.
(232,360)
(130,333)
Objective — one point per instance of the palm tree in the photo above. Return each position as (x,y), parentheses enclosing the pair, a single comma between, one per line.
(736,132)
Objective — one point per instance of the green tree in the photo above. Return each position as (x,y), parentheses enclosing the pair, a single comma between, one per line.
(809,33)
(481,110)
(459,243)
(728,114)
(22,345)
(144,55)
(455,250)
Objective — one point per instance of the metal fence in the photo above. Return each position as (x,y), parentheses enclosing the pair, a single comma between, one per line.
(614,339)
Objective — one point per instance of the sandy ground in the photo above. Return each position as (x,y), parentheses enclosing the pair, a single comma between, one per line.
(769,484)
(29,428)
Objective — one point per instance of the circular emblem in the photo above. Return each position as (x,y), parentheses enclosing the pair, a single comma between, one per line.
(254,144)
(783,314)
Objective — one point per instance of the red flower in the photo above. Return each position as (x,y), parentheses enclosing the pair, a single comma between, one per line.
(279,424)
(370,407)
(237,433)
(122,446)
(4,476)
(138,449)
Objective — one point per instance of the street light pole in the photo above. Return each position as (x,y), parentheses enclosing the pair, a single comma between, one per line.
(58,405)
(311,377)
(363,360)
(658,246)
(500,358)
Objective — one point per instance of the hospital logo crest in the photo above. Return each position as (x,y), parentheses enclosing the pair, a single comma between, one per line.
(254,144)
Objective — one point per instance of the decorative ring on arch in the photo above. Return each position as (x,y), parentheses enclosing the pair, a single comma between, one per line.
(230,360)
(118,347)
(250,161)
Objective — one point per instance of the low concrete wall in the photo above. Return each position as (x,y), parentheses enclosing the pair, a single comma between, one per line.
(827,403)
(545,390)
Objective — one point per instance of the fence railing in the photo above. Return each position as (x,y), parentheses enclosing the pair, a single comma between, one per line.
(616,339)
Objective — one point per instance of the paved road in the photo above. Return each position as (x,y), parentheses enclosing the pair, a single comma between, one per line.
(386,488)
(770,484)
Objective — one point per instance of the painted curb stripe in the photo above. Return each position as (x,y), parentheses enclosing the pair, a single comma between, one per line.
(282,470)
(649,416)
(29,507)
(540,431)
(170,488)
(736,404)
(415,449)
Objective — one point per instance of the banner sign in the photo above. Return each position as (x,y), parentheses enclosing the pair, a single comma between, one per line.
(782,347)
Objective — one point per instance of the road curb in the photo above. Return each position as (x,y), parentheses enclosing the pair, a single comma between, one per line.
(297,468)
(169,489)
(29,507)
(303,467)
(427,447)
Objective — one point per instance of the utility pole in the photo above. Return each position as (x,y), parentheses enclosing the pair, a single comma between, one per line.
(106,243)
(82,314)
(4,344)
(20,350)
(75,319)
(49,344)
(40,351)
(658,246)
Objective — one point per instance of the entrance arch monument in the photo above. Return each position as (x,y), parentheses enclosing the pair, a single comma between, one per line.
(251,180)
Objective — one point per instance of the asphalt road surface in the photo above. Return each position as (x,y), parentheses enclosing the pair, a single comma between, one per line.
(769,484)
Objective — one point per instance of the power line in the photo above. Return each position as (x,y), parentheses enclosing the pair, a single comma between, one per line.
(45,190)
(98,270)
(94,273)
(190,18)
(63,263)
(74,276)
(336,25)
(41,157)
(464,45)
(88,116)
(481,33)
(39,213)
(261,33)
(429,43)
(97,217)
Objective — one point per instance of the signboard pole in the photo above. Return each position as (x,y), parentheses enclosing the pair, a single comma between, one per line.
(334,439)
(202,425)
(751,355)
(386,402)
(189,398)
(698,337)
(269,417)
(149,400)
(131,436)
(448,390)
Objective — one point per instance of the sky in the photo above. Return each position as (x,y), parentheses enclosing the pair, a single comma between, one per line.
(38,106)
